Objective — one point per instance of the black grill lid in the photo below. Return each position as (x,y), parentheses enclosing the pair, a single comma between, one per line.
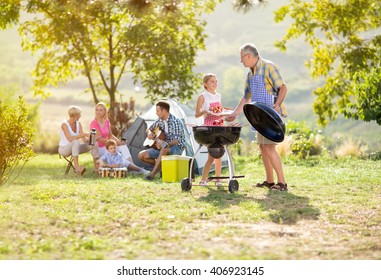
(265,120)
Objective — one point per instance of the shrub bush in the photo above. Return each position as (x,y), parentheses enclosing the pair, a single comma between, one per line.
(375,156)
(304,141)
(16,137)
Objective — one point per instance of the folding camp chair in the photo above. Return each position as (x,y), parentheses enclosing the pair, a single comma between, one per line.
(69,163)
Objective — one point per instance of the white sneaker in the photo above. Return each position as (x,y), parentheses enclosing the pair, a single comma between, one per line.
(203,183)
(144,172)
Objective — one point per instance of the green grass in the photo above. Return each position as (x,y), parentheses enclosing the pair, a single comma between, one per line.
(332,211)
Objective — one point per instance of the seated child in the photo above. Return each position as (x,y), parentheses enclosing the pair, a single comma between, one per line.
(114,159)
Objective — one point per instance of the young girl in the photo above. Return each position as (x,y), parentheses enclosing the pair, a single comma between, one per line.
(206,103)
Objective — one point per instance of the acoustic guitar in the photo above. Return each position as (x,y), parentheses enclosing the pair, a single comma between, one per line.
(158,141)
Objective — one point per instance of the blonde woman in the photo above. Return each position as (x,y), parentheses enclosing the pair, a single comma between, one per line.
(102,125)
(73,141)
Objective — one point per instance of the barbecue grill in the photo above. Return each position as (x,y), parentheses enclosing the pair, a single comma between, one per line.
(216,139)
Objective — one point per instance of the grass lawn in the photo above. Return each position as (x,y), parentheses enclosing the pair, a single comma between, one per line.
(331,211)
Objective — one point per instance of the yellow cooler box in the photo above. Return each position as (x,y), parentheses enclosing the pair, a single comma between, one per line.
(174,168)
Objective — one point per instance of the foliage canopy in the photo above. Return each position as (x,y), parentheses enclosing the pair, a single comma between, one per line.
(346,42)
(9,12)
(155,42)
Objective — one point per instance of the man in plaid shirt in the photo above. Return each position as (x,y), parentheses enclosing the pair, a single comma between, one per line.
(173,144)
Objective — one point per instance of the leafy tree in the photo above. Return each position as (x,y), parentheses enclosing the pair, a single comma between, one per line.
(368,94)
(346,42)
(155,42)
(9,12)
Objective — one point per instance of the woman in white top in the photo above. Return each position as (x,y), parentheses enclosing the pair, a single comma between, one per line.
(205,103)
(70,135)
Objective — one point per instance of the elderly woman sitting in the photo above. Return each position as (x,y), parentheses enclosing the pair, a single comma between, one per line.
(70,135)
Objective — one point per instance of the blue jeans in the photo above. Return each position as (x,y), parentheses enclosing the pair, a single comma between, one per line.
(175,150)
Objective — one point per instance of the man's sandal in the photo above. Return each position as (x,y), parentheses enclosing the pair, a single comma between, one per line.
(279,187)
(265,184)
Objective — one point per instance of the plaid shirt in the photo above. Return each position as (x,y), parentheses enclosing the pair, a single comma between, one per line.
(272,77)
(175,129)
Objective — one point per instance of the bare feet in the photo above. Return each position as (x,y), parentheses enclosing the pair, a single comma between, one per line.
(81,170)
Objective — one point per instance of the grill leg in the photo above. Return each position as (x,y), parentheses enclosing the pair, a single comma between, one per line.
(191,165)
(230,163)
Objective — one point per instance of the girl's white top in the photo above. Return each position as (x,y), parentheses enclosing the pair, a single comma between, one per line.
(210,98)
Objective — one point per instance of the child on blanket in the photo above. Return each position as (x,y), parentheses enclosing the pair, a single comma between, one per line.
(114,159)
